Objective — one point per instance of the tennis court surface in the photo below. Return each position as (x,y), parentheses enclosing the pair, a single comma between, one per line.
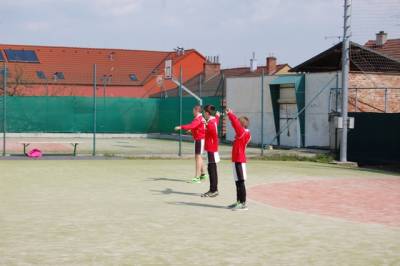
(144,212)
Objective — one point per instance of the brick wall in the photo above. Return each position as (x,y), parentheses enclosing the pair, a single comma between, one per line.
(367,93)
(364,80)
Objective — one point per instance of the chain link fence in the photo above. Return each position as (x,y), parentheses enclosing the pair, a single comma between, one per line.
(88,111)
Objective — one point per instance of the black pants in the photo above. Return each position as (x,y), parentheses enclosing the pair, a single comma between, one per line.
(240,191)
(240,176)
(212,172)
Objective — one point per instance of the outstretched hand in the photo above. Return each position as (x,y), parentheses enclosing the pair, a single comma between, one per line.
(228,110)
(177,128)
(217,113)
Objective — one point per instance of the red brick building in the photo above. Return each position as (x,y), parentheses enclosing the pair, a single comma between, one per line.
(68,71)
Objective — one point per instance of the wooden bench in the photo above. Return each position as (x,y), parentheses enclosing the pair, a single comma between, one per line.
(74,144)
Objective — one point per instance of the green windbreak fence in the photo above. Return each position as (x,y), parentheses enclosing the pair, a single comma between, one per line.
(114,115)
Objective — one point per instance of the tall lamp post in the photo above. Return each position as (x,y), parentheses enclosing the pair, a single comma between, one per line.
(345,78)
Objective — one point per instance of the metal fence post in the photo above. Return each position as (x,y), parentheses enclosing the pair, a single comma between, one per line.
(94,110)
(200,85)
(262,112)
(386,99)
(180,110)
(4,106)
(356,104)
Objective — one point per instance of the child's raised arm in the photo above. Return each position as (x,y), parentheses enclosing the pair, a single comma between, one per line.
(235,122)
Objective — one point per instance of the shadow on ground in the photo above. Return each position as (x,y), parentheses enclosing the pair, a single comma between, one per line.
(194,204)
(169,191)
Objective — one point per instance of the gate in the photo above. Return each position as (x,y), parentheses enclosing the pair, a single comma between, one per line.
(375,138)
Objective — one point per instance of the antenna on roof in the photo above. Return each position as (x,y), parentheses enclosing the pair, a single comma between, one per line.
(339,38)
(179,51)
(253,63)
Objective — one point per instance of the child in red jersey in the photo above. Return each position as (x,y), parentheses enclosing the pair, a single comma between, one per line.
(211,147)
(242,138)
(197,128)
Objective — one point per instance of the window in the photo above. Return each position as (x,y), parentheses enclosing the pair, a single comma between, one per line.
(1,57)
(59,75)
(28,56)
(133,77)
(40,74)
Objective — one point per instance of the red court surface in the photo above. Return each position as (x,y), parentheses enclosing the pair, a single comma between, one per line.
(359,200)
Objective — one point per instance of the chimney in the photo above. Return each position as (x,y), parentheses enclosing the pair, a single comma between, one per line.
(381,38)
(212,67)
(271,65)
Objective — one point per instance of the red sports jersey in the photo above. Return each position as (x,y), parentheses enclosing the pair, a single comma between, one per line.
(197,127)
(211,142)
(242,138)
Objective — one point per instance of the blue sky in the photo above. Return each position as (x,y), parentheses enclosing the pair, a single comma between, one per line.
(292,30)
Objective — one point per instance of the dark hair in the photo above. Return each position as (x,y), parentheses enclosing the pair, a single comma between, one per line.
(209,109)
(198,108)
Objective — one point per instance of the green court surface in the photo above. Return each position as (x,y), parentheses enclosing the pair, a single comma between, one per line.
(144,212)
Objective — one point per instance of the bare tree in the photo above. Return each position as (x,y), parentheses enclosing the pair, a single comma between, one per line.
(17,81)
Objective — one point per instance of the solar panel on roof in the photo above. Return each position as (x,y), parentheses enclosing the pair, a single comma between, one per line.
(40,74)
(28,56)
(1,57)
(133,77)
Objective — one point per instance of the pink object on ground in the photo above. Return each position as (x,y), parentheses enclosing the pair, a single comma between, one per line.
(35,153)
(359,200)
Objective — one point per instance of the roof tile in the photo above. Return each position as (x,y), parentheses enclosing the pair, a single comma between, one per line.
(77,64)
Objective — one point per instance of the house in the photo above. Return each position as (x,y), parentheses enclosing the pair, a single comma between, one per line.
(211,82)
(68,71)
(383,45)
(374,87)
(315,86)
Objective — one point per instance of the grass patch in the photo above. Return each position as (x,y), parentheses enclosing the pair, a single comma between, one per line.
(318,158)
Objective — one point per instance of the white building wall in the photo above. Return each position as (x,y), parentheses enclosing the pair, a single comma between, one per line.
(243,96)
(317,132)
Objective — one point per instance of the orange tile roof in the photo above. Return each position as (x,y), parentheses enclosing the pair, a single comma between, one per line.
(391,47)
(77,64)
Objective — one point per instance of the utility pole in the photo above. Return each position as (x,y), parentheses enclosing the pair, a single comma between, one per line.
(262,112)
(345,78)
